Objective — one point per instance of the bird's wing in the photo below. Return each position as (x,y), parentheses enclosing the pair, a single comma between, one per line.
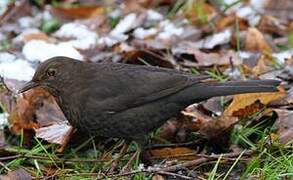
(120,86)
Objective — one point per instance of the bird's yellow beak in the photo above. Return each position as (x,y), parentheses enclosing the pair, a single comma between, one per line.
(29,85)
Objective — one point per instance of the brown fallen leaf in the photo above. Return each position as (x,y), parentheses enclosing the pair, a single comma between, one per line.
(36,36)
(272,24)
(256,42)
(19,174)
(285,125)
(230,20)
(172,153)
(80,12)
(147,56)
(242,101)
(263,66)
(210,127)
(282,9)
(36,111)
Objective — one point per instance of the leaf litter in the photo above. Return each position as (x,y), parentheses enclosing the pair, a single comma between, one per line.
(232,40)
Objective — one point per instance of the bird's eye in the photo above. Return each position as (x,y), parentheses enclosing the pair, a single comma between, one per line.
(51,72)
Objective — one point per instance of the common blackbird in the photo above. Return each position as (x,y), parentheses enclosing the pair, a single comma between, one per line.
(128,101)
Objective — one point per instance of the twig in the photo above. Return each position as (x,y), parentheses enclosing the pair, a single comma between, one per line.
(205,159)
(159,146)
(151,172)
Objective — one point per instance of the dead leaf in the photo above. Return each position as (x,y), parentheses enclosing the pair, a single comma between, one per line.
(36,36)
(263,65)
(164,153)
(80,12)
(255,41)
(272,24)
(285,125)
(19,174)
(206,59)
(37,111)
(210,127)
(242,101)
(158,177)
(282,9)
(147,56)
(230,20)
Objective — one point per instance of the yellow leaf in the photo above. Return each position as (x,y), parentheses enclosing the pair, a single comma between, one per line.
(243,101)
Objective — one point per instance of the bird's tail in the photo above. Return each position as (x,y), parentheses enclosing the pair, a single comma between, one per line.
(238,87)
(205,90)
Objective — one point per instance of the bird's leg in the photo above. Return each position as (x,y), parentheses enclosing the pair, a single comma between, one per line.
(120,156)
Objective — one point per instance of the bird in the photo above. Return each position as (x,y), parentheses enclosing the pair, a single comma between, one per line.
(128,101)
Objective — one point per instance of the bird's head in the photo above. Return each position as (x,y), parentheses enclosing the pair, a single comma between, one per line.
(52,74)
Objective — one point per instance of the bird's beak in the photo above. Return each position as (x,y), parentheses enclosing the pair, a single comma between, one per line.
(29,85)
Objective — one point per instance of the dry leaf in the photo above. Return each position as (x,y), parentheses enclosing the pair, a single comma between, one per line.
(19,174)
(230,20)
(285,125)
(242,101)
(172,152)
(80,12)
(255,41)
(36,36)
(263,65)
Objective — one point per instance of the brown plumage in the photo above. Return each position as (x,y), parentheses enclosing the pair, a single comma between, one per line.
(128,101)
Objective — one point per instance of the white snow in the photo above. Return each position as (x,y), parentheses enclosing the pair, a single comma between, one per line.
(281,56)
(16,69)
(3,5)
(3,120)
(259,5)
(216,39)
(169,29)
(154,16)
(37,50)
(124,25)
(142,33)
(6,57)
(27,22)
(118,33)
(84,38)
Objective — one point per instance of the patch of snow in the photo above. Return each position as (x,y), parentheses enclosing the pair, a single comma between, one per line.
(3,120)
(7,57)
(142,33)
(258,5)
(84,37)
(27,22)
(233,8)
(245,54)
(116,13)
(169,29)
(154,16)
(37,50)
(16,69)
(3,5)
(124,25)
(125,47)
(111,40)
(249,14)
(244,12)
(216,39)
(281,56)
